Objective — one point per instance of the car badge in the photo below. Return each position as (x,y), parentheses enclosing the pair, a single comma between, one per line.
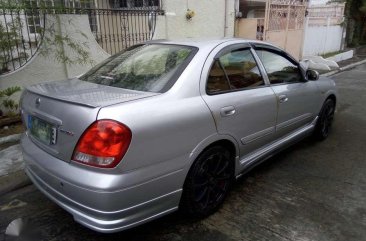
(69,133)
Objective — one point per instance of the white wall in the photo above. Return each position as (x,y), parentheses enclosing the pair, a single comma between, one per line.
(209,21)
(42,69)
(322,39)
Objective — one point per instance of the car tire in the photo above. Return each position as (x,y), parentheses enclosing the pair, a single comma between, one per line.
(324,123)
(208,182)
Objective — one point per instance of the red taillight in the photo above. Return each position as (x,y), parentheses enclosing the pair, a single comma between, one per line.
(103,144)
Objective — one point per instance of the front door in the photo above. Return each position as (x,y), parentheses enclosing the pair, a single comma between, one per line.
(242,103)
(296,97)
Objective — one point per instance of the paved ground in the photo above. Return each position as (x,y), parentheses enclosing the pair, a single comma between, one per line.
(313,191)
(12,160)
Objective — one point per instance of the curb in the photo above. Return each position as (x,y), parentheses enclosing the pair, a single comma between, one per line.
(12,138)
(344,68)
(13,181)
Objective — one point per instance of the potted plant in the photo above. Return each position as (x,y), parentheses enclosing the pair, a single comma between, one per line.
(190,14)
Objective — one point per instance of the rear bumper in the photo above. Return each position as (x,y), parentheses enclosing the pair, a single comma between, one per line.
(103,211)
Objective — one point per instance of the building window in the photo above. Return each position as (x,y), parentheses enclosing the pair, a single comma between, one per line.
(153,3)
(122,4)
(136,3)
(34,24)
(33,16)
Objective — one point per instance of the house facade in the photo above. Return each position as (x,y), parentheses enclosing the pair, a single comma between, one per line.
(325,30)
(301,27)
(105,27)
(280,22)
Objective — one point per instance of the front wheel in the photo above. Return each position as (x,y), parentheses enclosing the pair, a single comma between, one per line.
(325,121)
(207,182)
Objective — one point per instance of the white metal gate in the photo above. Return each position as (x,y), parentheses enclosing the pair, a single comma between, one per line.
(284,24)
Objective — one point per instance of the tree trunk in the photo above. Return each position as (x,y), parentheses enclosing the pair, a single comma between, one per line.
(350,23)
(363,30)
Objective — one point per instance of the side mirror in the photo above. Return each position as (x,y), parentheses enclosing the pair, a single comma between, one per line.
(312,74)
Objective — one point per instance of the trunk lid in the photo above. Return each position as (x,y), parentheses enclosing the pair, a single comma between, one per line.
(85,93)
(57,113)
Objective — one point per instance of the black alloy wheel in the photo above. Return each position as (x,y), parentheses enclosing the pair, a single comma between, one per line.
(325,121)
(208,182)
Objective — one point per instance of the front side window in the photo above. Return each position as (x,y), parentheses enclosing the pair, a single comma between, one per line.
(279,69)
(234,71)
(217,81)
(150,68)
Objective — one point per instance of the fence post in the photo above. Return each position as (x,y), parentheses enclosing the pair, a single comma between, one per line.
(306,26)
(343,40)
(266,19)
(287,24)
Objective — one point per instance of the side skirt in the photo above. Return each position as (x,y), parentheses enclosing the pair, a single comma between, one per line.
(255,158)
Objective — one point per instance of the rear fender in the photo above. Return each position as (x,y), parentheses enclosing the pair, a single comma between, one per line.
(209,141)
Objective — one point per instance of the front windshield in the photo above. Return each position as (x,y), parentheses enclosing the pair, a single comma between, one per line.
(149,67)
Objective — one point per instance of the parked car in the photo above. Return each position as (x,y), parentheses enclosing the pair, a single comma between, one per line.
(167,125)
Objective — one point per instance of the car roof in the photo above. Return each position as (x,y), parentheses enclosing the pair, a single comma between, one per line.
(204,42)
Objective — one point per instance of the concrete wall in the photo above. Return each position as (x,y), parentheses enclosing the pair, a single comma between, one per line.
(322,39)
(209,20)
(290,40)
(41,69)
(247,28)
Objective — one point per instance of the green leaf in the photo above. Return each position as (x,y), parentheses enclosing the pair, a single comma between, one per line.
(11,90)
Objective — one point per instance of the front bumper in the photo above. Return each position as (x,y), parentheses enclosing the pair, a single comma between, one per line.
(109,210)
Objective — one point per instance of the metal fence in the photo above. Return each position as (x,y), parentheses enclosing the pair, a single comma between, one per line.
(117,29)
(116,25)
(326,15)
(285,14)
(20,37)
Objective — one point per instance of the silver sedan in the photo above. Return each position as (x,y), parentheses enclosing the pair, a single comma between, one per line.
(167,125)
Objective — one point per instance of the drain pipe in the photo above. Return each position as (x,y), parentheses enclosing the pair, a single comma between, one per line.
(225,18)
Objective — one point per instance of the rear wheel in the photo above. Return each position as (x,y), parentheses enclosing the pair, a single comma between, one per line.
(325,121)
(208,182)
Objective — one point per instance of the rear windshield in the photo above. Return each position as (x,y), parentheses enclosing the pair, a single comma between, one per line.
(148,67)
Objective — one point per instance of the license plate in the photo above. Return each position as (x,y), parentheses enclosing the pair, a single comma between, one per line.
(42,130)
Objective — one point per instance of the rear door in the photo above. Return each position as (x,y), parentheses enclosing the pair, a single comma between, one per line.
(242,103)
(297,98)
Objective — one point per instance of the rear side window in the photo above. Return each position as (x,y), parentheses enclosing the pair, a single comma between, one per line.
(234,71)
(217,81)
(151,68)
(279,69)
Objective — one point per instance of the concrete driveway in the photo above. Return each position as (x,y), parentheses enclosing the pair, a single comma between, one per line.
(312,191)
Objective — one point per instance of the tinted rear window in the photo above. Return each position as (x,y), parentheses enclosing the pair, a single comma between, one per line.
(149,67)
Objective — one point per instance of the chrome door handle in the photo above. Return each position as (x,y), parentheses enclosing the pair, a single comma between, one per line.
(282,98)
(227,111)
